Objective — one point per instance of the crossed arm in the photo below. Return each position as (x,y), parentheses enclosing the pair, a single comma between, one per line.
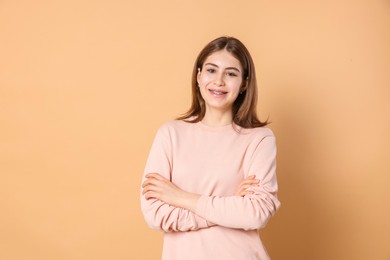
(157,187)
(167,207)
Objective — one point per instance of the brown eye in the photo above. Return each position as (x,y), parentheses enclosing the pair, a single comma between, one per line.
(232,74)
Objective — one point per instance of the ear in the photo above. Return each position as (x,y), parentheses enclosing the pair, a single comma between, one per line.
(244,85)
(198,76)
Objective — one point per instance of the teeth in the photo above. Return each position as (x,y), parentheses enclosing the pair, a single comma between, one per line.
(218,92)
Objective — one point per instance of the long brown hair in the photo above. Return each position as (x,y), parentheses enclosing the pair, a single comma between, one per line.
(244,107)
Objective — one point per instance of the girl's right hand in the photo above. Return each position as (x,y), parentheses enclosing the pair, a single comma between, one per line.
(249,182)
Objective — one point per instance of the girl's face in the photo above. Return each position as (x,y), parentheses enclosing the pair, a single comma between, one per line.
(220,81)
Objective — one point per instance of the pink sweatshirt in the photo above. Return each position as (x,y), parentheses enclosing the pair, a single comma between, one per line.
(213,162)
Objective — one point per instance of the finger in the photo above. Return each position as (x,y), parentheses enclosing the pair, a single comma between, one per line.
(152,181)
(155,175)
(250,185)
(249,192)
(151,188)
(245,192)
(148,182)
(241,193)
(244,188)
(255,181)
(151,195)
(146,189)
(145,183)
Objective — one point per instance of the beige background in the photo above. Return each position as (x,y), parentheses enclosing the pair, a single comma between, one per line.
(84,86)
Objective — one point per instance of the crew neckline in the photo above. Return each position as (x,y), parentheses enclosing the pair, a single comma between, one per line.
(216,128)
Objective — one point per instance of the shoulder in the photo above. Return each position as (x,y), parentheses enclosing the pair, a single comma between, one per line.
(264,131)
(258,132)
(262,141)
(260,137)
(173,126)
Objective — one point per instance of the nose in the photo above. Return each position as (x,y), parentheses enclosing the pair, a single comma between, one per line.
(219,80)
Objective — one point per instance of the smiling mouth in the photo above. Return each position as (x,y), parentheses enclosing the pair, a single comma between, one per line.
(215,92)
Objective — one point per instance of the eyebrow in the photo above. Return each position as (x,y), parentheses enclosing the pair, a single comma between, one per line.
(228,68)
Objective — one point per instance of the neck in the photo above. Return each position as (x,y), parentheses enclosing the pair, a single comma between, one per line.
(217,118)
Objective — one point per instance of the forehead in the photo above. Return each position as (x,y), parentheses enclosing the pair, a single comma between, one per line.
(223,58)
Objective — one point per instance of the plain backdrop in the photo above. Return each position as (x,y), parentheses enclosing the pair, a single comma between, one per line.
(84,85)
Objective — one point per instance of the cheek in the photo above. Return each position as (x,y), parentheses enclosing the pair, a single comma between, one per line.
(204,79)
(236,84)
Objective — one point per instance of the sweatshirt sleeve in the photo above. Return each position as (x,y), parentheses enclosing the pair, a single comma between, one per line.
(251,211)
(157,214)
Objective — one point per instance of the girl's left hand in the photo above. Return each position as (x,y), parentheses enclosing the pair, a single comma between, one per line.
(245,185)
